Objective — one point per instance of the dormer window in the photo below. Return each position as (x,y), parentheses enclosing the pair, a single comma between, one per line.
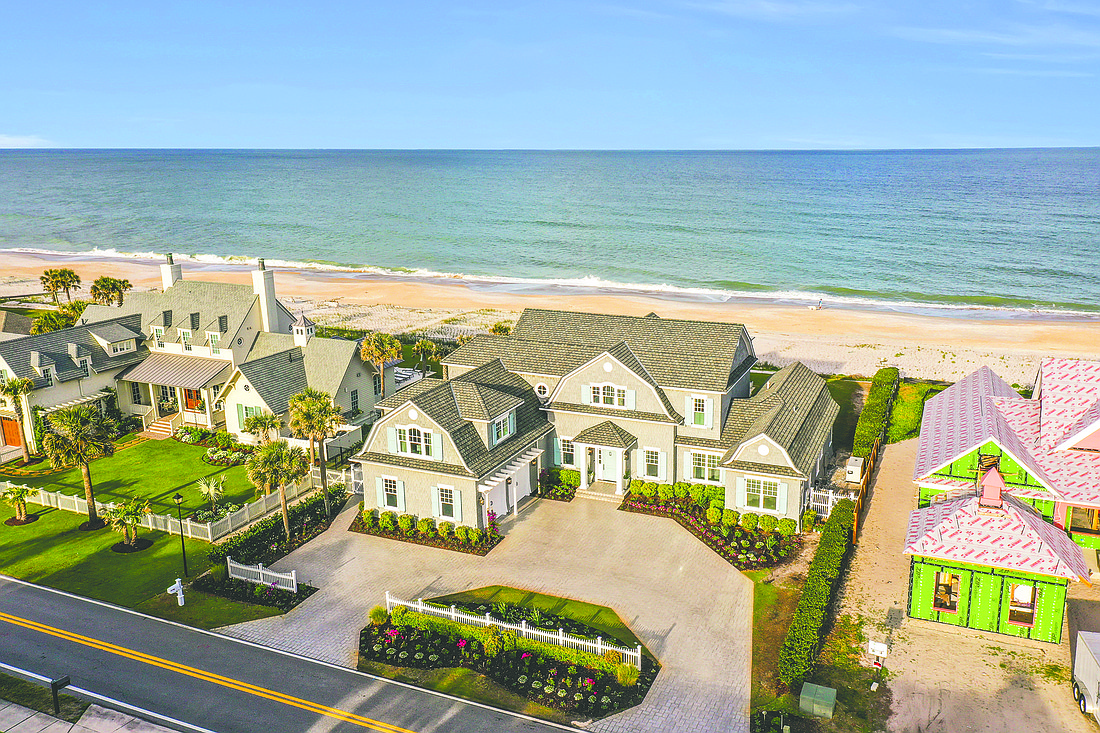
(121,347)
(47,374)
(214,338)
(698,411)
(185,339)
(503,427)
(414,442)
(609,395)
(84,368)
(158,336)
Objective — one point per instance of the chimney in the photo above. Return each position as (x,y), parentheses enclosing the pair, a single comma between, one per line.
(263,285)
(170,273)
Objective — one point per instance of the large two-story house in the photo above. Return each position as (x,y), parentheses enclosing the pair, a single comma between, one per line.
(613,397)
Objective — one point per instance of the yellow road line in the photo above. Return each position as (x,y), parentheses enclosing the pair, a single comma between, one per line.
(217,679)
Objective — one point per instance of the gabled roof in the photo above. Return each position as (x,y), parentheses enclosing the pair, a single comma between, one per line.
(278,369)
(14,323)
(113,332)
(794,409)
(1012,537)
(54,349)
(678,354)
(440,401)
(1068,390)
(606,434)
(481,402)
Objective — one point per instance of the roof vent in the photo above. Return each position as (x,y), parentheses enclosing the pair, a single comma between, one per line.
(166,319)
(991,484)
(194,321)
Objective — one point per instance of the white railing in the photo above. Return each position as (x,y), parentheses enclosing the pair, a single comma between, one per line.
(208,531)
(342,476)
(559,638)
(176,421)
(260,575)
(146,418)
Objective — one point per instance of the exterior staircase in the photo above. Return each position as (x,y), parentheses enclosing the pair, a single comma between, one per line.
(600,491)
(160,429)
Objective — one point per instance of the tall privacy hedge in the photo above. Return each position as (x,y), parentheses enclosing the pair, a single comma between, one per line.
(876,411)
(799,651)
(265,541)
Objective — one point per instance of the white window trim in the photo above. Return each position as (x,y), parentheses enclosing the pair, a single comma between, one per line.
(645,463)
(426,440)
(443,516)
(504,419)
(186,339)
(791,483)
(561,453)
(397,493)
(617,387)
(544,386)
(85,366)
(214,339)
(158,336)
(125,346)
(691,463)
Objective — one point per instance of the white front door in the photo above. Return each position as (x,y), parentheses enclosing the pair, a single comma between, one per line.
(607,464)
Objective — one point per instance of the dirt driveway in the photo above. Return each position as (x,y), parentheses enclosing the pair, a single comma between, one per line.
(689,607)
(946,679)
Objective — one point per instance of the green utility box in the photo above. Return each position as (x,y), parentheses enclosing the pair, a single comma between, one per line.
(817,700)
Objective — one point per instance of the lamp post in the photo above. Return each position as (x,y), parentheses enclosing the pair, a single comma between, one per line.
(179,513)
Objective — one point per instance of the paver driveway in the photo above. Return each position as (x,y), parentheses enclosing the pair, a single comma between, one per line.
(689,607)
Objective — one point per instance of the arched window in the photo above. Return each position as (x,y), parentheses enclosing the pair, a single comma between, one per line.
(608,394)
(416,441)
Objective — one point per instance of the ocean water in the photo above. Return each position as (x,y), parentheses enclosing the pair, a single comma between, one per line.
(1014,231)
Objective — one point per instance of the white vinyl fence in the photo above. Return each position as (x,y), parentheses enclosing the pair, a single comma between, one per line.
(560,638)
(209,531)
(343,476)
(260,575)
(822,500)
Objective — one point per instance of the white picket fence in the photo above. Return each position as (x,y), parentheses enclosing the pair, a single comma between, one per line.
(559,638)
(260,575)
(208,531)
(822,500)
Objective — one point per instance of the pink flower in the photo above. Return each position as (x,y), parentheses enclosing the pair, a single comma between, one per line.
(525,655)
(461,643)
(588,681)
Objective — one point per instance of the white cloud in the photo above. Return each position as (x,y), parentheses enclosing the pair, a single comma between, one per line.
(776,9)
(1017,35)
(24,141)
(1052,58)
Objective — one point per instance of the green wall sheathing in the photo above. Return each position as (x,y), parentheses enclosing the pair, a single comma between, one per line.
(926,495)
(966,467)
(985,597)
(1088,540)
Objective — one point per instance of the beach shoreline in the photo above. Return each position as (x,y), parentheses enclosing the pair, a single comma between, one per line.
(830,340)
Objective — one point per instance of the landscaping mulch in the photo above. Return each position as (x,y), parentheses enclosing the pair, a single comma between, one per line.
(358,525)
(141,543)
(733,550)
(247,592)
(559,493)
(13,522)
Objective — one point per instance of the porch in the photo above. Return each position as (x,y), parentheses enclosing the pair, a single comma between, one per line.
(504,492)
(175,390)
(605,448)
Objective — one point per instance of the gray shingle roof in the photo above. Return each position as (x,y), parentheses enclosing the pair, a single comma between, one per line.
(793,408)
(278,369)
(441,401)
(480,402)
(612,412)
(54,348)
(606,434)
(15,323)
(113,332)
(177,370)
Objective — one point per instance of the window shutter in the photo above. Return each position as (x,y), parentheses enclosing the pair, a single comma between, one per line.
(781,499)
(641,463)
(586,394)
(739,499)
(458,506)
(662,468)
(381,492)
(436,508)
(689,418)
(630,399)
(391,437)
(687,466)
(512,422)
(557,451)
(437,446)
(240,416)
(709,419)
(401,496)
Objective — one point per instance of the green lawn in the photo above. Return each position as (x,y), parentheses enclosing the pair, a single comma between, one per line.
(203,610)
(600,618)
(37,697)
(772,609)
(905,416)
(154,470)
(53,552)
(31,313)
(844,392)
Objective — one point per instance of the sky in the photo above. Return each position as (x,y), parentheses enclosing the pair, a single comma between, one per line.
(662,74)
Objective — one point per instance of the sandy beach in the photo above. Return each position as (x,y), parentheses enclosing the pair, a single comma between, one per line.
(840,341)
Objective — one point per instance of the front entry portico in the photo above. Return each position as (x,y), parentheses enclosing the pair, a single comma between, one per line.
(605,447)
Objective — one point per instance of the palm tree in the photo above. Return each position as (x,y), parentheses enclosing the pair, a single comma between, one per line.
(425,351)
(14,390)
(73,310)
(16,496)
(262,426)
(121,287)
(276,465)
(78,435)
(67,280)
(51,282)
(50,321)
(378,349)
(212,488)
(126,518)
(102,291)
(314,415)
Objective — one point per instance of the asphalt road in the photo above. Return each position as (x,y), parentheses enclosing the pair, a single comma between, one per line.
(212,681)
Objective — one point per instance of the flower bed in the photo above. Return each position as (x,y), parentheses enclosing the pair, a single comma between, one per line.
(560,678)
(559,484)
(265,541)
(213,515)
(744,546)
(445,535)
(222,448)
(241,590)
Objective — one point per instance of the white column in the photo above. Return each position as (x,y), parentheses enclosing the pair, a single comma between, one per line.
(208,399)
(619,473)
(583,449)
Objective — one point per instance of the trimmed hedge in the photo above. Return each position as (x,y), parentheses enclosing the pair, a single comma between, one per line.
(798,655)
(265,541)
(876,411)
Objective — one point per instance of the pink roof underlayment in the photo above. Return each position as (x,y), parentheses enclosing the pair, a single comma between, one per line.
(982,407)
(1012,536)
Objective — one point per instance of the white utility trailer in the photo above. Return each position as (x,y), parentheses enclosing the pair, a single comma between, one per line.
(1086,672)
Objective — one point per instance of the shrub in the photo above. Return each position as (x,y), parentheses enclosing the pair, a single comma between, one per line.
(613,657)
(569,477)
(749,521)
(730,517)
(446,529)
(462,533)
(379,616)
(697,493)
(224,439)
(767,523)
(683,490)
(369,518)
(649,489)
(716,496)
(666,492)
(627,674)
(798,655)
(876,411)
(405,523)
(220,573)
(636,486)
(714,515)
(787,527)
(426,527)
(398,614)
(474,536)
(265,541)
(491,641)
(388,521)
(719,504)
(809,519)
